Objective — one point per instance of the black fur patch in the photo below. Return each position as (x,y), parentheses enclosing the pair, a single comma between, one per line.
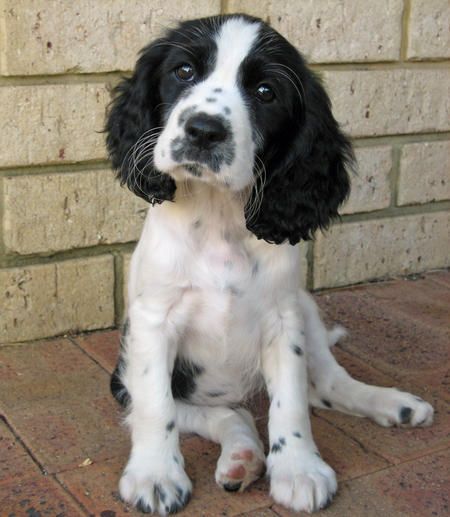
(296,434)
(278,445)
(170,426)
(297,350)
(184,378)
(405,415)
(326,403)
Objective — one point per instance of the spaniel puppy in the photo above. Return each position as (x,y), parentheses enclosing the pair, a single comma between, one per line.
(227,134)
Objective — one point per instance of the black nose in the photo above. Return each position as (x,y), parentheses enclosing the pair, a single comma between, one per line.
(205,131)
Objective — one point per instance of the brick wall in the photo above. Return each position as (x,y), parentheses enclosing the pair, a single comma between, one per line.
(67,229)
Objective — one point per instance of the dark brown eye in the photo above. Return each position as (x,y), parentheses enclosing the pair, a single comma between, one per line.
(265,93)
(185,72)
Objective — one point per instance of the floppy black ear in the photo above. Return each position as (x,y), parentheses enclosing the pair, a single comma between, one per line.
(131,127)
(307,178)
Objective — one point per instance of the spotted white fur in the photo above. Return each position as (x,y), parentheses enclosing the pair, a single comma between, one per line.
(202,287)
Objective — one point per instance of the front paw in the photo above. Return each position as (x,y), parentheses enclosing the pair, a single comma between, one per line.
(160,487)
(301,480)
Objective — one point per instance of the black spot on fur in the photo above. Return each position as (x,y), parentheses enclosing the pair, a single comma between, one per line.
(143,506)
(232,487)
(296,434)
(405,415)
(278,446)
(227,110)
(211,99)
(215,394)
(117,388)
(170,426)
(217,90)
(326,403)
(184,378)
(297,350)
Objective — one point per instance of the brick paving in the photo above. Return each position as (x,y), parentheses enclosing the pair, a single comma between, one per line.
(62,446)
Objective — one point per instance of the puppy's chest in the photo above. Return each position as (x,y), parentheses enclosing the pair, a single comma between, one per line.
(224,265)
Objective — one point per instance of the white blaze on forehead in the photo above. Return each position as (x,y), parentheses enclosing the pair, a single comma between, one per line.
(234,41)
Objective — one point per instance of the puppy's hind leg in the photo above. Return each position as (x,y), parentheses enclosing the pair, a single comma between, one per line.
(333,388)
(242,458)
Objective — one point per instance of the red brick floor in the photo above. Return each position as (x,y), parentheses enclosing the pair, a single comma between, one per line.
(63,447)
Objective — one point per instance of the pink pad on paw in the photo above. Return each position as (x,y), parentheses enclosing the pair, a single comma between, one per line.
(237,472)
(243,455)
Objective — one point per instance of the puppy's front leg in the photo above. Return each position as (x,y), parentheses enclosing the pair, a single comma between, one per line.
(154,479)
(299,478)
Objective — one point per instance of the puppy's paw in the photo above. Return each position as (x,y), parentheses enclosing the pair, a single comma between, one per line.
(393,407)
(239,465)
(155,487)
(301,480)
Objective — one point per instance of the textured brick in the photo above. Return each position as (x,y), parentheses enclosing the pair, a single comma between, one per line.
(389,102)
(348,31)
(371,184)
(80,210)
(15,462)
(103,347)
(36,496)
(428,34)
(30,370)
(356,252)
(52,123)
(424,173)
(50,299)
(391,326)
(96,36)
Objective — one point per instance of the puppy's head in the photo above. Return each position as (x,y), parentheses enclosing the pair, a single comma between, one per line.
(228,101)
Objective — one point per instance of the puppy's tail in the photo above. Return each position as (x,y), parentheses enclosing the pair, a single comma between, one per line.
(337,333)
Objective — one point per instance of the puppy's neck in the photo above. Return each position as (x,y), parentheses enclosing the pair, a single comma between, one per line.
(207,208)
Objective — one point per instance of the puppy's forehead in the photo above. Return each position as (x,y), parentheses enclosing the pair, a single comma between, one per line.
(234,41)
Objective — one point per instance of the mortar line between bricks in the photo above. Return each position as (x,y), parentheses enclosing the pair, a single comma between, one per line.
(405,21)
(74,342)
(356,440)
(66,490)
(24,445)
(15,260)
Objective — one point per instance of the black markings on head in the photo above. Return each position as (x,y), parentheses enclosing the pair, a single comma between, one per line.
(217,90)
(186,113)
(326,403)
(278,445)
(227,110)
(170,426)
(296,434)
(297,350)
(211,99)
(194,169)
(405,415)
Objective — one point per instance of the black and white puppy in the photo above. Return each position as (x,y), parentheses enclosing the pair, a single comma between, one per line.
(230,137)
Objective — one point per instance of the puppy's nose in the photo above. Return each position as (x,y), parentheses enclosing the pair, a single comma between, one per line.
(205,131)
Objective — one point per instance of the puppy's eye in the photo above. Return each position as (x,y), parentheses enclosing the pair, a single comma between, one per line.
(265,93)
(185,72)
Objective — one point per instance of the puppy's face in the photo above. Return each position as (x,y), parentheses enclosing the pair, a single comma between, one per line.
(228,101)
